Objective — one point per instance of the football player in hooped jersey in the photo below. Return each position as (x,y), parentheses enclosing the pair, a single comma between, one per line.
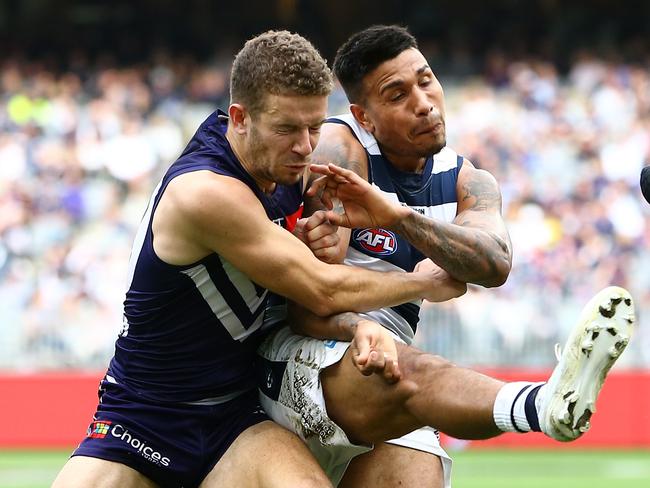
(178,405)
(408,197)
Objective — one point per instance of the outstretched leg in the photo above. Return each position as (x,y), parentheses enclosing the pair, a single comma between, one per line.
(433,391)
(469,405)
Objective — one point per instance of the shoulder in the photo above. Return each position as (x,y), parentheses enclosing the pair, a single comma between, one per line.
(338,135)
(477,185)
(469,172)
(338,145)
(205,196)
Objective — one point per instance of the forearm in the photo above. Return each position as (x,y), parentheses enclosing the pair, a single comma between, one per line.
(360,290)
(340,326)
(468,254)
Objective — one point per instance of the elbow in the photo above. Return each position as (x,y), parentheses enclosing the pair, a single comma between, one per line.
(494,282)
(499,263)
(497,274)
(323,306)
(322,299)
(331,289)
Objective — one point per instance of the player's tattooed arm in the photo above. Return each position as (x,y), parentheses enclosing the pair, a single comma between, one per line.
(475,247)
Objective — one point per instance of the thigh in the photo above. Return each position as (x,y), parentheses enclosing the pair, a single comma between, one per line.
(174,445)
(389,465)
(291,394)
(367,408)
(88,472)
(267,456)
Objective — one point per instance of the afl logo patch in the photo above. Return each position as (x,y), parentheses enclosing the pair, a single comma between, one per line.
(381,242)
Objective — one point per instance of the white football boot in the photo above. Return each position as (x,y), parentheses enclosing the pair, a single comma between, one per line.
(597,340)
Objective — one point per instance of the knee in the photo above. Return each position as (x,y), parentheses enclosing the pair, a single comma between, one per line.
(416,365)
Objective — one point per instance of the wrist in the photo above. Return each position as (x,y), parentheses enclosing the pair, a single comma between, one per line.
(347,325)
(426,280)
(399,214)
(367,327)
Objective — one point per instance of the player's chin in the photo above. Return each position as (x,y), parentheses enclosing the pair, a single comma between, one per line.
(290,178)
(430,145)
(434,148)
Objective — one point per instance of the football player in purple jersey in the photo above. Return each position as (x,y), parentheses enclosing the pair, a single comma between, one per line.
(179,405)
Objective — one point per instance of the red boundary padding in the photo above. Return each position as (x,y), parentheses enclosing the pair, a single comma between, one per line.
(46,410)
(55,409)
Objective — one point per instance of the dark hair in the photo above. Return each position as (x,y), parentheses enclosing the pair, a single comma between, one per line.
(366,50)
(277,63)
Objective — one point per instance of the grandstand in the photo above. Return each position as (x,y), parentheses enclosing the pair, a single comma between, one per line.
(86,135)
(555,103)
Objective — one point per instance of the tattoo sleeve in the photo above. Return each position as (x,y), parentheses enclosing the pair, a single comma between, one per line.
(475,247)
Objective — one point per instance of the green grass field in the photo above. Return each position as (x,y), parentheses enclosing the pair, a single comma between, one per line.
(472,469)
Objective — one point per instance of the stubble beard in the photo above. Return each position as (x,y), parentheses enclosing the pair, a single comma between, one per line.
(264,167)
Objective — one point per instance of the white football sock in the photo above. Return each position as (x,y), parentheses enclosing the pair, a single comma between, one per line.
(516,406)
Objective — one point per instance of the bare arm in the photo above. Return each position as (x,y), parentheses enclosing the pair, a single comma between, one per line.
(206,212)
(340,327)
(475,247)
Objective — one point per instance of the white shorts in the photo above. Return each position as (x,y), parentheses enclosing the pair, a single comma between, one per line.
(292,395)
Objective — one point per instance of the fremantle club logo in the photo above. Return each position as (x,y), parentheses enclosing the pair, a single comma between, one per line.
(380,242)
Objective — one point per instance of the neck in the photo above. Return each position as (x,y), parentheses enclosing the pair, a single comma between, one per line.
(406,163)
(238,147)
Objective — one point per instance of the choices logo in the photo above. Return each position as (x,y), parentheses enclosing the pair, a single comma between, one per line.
(98,429)
(381,242)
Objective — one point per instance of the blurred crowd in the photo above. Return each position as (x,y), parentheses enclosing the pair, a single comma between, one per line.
(82,147)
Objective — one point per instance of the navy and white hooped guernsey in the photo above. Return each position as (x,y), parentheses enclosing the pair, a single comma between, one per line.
(432,194)
(190,332)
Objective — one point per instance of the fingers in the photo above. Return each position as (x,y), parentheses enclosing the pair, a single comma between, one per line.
(318,188)
(335,218)
(343,175)
(333,176)
(316,220)
(321,169)
(322,238)
(381,363)
(374,352)
(369,361)
(391,371)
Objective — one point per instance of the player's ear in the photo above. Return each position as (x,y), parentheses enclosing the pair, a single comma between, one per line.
(361,116)
(238,120)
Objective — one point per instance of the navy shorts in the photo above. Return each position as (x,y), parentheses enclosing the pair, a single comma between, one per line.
(174,445)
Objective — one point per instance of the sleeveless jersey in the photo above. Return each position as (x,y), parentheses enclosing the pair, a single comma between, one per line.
(190,332)
(432,194)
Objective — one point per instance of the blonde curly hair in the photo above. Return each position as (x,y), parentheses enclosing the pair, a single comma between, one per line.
(277,63)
